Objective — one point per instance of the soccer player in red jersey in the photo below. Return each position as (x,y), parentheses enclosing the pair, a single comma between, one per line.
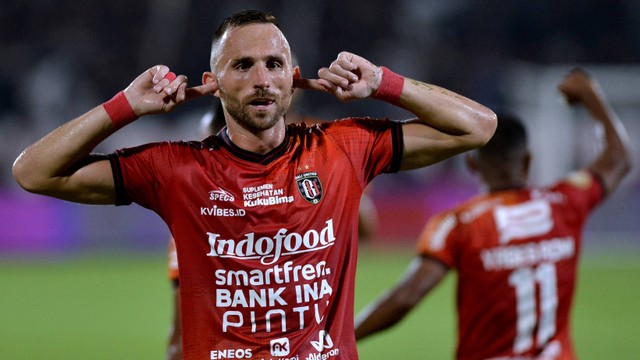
(515,248)
(211,123)
(264,215)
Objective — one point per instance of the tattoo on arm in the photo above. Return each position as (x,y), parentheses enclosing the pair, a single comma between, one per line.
(429,87)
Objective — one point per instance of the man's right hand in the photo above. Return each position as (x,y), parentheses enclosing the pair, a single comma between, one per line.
(152,91)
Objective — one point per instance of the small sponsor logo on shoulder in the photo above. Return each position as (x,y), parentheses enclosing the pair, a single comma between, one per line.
(310,187)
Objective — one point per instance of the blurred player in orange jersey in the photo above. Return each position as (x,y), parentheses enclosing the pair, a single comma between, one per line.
(515,248)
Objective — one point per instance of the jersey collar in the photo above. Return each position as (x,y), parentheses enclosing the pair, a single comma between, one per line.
(262,159)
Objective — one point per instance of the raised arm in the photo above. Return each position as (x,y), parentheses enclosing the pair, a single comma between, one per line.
(614,162)
(422,275)
(60,164)
(446,123)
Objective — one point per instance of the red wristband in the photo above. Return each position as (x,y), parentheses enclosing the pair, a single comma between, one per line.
(390,88)
(119,110)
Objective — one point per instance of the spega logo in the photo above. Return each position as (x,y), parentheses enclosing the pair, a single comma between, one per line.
(221,195)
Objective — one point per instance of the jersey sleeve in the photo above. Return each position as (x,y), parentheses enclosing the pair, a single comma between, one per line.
(373,145)
(139,171)
(438,238)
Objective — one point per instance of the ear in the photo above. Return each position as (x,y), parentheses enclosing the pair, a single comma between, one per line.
(209,77)
(296,76)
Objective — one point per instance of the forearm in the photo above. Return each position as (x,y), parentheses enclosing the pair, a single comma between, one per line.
(448,112)
(42,166)
(455,123)
(446,124)
(422,275)
(379,316)
(155,90)
(352,77)
(614,161)
(60,165)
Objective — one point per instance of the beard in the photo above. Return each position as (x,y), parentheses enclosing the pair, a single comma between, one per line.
(255,121)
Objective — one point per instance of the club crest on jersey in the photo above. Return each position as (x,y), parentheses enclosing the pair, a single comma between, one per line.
(310,187)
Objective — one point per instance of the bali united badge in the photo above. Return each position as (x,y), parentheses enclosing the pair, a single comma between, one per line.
(310,187)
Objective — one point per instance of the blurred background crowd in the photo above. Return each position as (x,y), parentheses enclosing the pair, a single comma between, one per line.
(60,58)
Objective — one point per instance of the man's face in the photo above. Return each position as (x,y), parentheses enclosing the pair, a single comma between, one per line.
(254,74)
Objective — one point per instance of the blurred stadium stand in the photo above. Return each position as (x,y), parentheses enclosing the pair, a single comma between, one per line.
(59,58)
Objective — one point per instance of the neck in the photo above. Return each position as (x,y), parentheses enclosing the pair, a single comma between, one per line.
(259,142)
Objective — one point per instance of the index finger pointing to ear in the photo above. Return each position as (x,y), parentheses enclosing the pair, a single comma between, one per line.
(204,89)
(308,84)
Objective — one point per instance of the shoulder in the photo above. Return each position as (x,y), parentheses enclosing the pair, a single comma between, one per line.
(358,126)
(581,188)
(581,179)
(580,183)
(211,142)
(367,122)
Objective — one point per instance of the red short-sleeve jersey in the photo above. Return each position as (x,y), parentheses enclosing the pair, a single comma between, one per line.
(267,244)
(516,254)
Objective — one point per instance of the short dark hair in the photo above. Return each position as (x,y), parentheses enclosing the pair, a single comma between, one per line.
(243,18)
(509,140)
